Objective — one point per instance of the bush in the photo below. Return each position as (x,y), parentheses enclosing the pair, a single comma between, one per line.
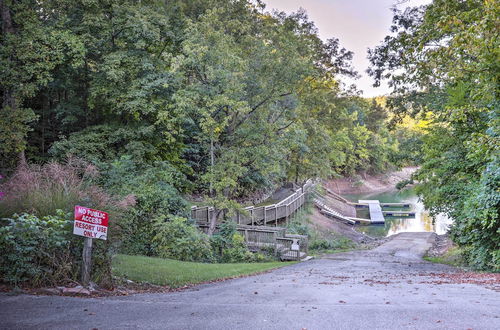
(44,251)
(230,246)
(476,225)
(177,239)
(236,250)
(156,198)
(298,224)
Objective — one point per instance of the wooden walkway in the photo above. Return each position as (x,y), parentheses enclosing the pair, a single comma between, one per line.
(261,215)
(259,225)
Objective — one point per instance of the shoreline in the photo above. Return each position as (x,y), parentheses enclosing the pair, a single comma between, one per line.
(368,183)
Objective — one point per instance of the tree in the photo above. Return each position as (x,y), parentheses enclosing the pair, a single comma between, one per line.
(448,53)
(30,49)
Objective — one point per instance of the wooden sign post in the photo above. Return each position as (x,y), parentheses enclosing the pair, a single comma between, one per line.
(90,224)
(87,261)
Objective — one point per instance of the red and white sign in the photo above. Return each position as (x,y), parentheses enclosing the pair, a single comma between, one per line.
(90,223)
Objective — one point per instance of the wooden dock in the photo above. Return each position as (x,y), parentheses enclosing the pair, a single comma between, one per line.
(376,215)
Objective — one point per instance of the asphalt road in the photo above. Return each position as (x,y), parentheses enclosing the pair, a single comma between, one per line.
(389,287)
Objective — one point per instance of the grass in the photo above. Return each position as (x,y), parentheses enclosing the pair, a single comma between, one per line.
(176,273)
(451,257)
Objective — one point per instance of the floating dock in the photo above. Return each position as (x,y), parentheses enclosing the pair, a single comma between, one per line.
(398,213)
(376,215)
(362,203)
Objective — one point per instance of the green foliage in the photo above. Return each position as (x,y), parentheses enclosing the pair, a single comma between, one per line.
(236,250)
(104,143)
(336,243)
(299,223)
(401,184)
(177,239)
(35,249)
(298,226)
(443,64)
(44,251)
(156,198)
(235,98)
(478,227)
(230,246)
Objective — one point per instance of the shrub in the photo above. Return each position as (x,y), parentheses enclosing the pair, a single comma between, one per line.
(298,224)
(156,198)
(44,251)
(42,248)
(177,239)
(230,246)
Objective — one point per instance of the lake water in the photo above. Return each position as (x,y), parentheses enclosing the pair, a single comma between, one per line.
(422,221)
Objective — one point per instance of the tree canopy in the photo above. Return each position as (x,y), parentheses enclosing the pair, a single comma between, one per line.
(442,61)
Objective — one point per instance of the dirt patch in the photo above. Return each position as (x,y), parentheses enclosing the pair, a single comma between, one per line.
(365,183)
(441,246)
(339,206)
(325,225)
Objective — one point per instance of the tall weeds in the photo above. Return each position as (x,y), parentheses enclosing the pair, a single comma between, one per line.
(41,190)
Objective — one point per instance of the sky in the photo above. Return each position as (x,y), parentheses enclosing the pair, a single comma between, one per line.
(358,24)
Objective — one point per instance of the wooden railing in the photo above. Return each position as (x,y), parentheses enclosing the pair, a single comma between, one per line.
(292,247)
(262,215)
(274,238)
(253,224)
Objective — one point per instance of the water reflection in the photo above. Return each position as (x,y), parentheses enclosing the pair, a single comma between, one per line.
(422,221)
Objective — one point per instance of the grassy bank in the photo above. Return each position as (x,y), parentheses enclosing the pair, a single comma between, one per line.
(451,257)
(178,273)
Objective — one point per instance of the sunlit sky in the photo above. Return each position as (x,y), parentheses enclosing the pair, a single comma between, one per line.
(358,24)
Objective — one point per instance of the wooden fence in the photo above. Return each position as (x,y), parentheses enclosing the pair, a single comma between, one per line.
(262,215)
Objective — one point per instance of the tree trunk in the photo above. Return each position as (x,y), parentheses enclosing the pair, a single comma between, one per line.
(213,221)
(7,26)
(212,163)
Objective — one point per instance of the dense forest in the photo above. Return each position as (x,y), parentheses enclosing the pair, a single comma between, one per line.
(139,106)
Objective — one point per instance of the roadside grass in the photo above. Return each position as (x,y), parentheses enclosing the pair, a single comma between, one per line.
(322,253)
(452,257)
(176,273)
